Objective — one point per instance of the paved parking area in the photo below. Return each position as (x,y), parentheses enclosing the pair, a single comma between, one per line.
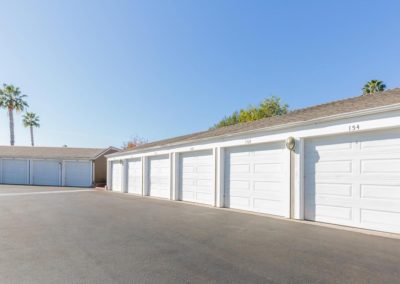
(101,237)
(18,189)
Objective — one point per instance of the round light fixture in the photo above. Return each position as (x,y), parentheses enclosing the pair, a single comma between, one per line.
(290,143)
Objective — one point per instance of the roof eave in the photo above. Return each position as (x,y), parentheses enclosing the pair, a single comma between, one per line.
(363,112)
(105,151)
(47,158)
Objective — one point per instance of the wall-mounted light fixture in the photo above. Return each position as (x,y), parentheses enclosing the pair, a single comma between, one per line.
(290,143)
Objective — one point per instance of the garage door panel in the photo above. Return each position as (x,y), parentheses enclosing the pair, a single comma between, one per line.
(387,192)
(274,206)
(116,178)
(271,186)
(363,192)
(161,184)
(205,169)
(239,202)
(188,195)
(333,167)
(204,197)
(78,173)
(239,185)
(239,168)
(339,201)
(379,143)
(272,196)
(267,168)
(197,177)
(333,189)
(45,172)
(341,213)
(15,171)
(256,179)
(330,147)
(204,184)
(380,217)
(134,176)
(159,176)
(380,166)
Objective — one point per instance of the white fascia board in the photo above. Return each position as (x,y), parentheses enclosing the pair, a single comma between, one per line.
(104,152)
(368,122)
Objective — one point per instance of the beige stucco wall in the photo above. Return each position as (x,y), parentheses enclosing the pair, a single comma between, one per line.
(100,168)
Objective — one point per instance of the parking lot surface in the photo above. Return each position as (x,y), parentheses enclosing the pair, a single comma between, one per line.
(64,235)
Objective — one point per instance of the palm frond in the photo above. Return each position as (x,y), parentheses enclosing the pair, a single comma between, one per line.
(30,119)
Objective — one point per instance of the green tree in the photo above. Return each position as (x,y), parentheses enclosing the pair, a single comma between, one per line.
(31,120)
(267,108)
(12,99)
(228,120)
(373,86)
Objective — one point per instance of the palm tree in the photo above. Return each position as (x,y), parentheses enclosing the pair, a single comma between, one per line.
(11,99)
(31,120)
(373,86)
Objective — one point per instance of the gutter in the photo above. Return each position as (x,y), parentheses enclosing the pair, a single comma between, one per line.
(272,128)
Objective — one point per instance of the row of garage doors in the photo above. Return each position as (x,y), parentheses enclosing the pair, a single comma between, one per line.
(351,180)
(46,172)
(250,170)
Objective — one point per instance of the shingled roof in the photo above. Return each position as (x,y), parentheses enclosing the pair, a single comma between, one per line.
(358,103)
(51,152)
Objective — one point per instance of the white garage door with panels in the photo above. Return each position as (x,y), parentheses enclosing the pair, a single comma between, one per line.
(116,179)
(257,179)
(159,176)
(78,173)
(354,180)
(15,171)
(197,177)
(134,173)
(46,172)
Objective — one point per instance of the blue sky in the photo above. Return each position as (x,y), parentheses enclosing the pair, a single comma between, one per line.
(99,72)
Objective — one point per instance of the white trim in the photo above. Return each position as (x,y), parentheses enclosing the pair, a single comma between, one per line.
(109,175)
(146,176)
(175,176)
(170,157)
(94,172)
(287,193)
(124,173)
(298,168)
(220,176)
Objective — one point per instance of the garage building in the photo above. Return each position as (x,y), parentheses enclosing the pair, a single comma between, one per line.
(336,163)
(53,166)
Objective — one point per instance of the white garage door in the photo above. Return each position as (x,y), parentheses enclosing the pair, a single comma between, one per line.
(134,173)
(78,173)
(116,179)
(197,177)
(46,172)
(15,171)
(159,176)
(354,180)
(257,179)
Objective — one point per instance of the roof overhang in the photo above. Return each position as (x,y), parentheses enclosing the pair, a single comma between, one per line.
(353,114)
(105,151)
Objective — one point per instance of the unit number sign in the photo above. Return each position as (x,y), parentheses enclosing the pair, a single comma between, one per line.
(354,127)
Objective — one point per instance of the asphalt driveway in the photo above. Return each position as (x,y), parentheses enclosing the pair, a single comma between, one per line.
(58,235)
